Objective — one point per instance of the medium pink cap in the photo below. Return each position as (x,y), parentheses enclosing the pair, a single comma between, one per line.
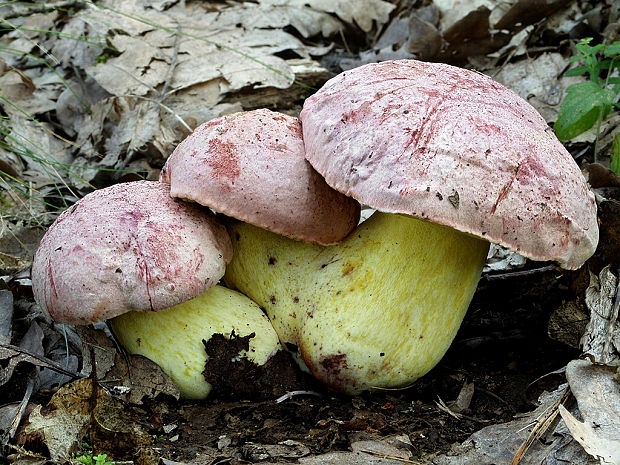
(127,247)
(251,166)
(453,147)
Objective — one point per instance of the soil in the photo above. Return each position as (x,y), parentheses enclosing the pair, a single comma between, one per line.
(502,348)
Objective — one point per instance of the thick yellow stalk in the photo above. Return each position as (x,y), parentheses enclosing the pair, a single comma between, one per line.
(377,310)
(172,338)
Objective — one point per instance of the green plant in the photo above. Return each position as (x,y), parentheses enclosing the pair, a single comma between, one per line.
(590,102)
(89,459)
(615,155)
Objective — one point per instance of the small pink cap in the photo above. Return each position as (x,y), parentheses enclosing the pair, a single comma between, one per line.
(251,166)
(453,147)
(127,247)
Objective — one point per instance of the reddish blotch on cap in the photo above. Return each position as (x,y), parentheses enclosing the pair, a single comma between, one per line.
(127,247)
(454,147)
(251,166)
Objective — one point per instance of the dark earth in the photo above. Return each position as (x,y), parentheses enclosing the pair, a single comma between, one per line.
(502,348)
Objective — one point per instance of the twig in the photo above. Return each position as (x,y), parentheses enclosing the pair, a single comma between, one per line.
(441,405)
(31,357)
(549,418)
(21,409)
(517,273)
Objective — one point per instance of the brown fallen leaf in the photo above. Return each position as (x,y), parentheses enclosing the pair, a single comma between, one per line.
(74,410)
(597,390)
(601,339)
(63,423)
(129,377)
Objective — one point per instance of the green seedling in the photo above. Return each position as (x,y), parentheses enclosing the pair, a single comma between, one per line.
(89,459)
(590,102)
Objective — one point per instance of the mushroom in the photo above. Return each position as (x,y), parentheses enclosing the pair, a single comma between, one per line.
(452,161)
(132,250)
(251,166)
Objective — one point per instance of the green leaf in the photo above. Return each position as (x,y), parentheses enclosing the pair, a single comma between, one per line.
(615,155)
(583,46)
(85,459)
(101,459)
(612,49)
(584,103)
(576,71)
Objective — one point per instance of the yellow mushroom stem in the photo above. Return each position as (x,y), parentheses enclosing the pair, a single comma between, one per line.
(379,309)
(172,338)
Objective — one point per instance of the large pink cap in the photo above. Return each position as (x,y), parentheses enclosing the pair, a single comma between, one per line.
(127,247)
(251,166)
(453,147)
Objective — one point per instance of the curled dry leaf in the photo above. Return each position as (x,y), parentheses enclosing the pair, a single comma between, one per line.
(605,450)
(601,339)
(596,388)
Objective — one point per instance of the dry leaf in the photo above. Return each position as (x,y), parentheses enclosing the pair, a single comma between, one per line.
(132,377)
(386,451)
(362,12)
(18,243)
(73,51)
(454,10)
(24,93)
(539,82)
(12,356)
(499,443)
(73,410)
(608,452)
(601,339)
(64,422)
(6,315)
(499,259)
(597,390)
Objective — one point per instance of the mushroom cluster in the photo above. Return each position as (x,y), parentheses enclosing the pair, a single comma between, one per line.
(450,160)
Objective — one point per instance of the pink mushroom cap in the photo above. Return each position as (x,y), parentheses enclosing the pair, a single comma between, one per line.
(127,247)
(454,147)
(251,166)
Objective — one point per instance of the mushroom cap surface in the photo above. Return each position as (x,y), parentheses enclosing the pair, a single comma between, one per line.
(454,147)
(251,166)
(127,247)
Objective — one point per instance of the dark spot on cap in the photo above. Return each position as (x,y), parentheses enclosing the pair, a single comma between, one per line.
(454,199)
